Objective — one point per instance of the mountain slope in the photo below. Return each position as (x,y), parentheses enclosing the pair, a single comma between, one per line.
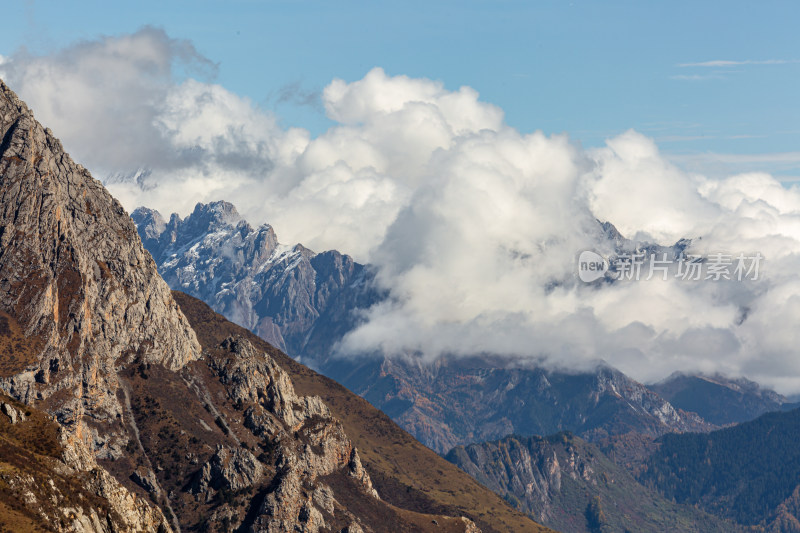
(749,473)
(70,261)
(79,296)
(153,431)
(568,484)
(459,401)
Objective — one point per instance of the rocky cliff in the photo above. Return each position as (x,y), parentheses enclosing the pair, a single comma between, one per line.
(568,484)
(78,297)
(406,474)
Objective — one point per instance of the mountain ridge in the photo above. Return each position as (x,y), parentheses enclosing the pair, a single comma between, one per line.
(299,300)
(747,473)
(719,399)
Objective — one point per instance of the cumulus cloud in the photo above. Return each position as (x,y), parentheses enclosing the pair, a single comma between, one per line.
(482,260)
(641,192)
(474,227)
(104,94)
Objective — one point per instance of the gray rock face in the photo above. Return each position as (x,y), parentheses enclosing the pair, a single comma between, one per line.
(527,468)
(229,469)
(298,300)
(256,378)
(131,513)
(146,479)
(558,478)
(12,412)
(309,444)
(75,279)
(70,261)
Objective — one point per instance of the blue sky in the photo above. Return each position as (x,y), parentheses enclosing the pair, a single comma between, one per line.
(590,69)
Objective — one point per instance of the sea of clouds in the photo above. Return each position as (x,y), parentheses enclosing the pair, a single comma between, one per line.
(473,225)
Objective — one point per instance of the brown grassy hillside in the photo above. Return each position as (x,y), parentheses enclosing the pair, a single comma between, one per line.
(405,473)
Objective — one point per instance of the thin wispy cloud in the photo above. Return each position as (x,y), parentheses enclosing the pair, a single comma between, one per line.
(683,138)
(787,179)
(686,138)
(729,63)
(697,77)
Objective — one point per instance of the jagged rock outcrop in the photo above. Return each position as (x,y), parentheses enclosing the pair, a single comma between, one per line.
(123,511)
(229,469)
(61,488)
(256,378)
(298,300)
(406,474)
(310,443)
(11,412)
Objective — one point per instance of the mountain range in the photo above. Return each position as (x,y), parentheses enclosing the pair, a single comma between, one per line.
(719,399)
(740,478)
(306,302)
(747,473)
(486,411)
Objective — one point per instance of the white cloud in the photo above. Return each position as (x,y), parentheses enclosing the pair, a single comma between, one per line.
(639,191)
(698,77)
(474,226)
(729,63)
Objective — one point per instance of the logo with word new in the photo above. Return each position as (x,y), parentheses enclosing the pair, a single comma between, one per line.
(591,266)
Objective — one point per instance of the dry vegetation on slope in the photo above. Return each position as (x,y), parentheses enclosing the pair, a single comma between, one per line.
(405,473)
